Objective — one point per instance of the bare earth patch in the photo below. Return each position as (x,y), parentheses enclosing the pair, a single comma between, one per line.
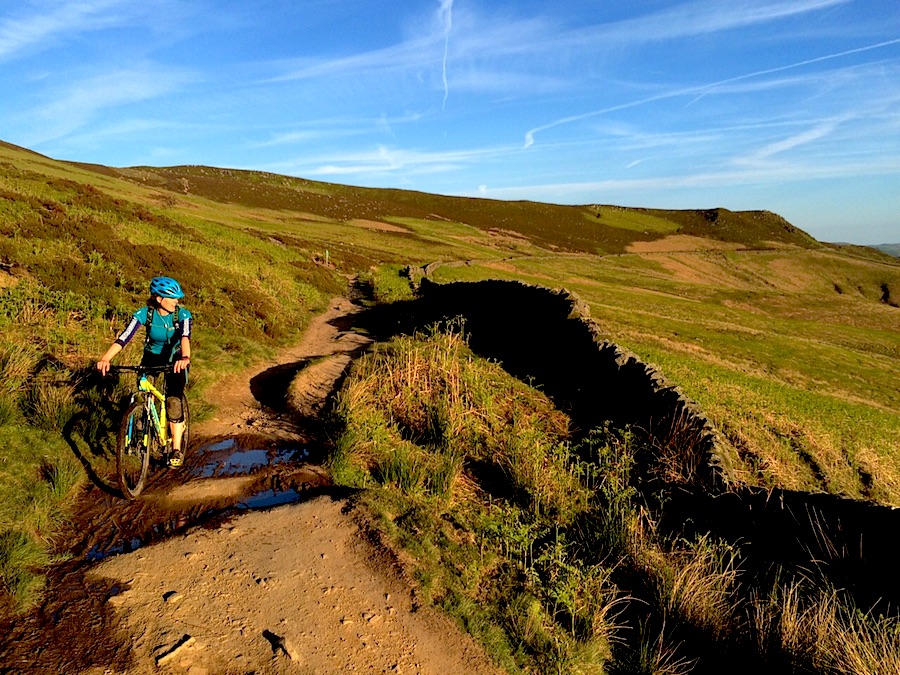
(681,242)
(296,589)
(379,225)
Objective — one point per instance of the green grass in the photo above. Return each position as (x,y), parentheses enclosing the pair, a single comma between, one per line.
(471,472)
(801,379)
(546,550)
(38,477)
(791,346)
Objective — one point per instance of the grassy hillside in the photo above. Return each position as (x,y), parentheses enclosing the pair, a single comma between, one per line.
(792,346)
(545,546)
(890,249)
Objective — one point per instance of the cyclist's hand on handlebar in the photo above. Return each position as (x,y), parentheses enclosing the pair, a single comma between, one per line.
(182,364)
(103,366)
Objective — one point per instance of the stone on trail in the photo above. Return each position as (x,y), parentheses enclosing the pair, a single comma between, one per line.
(177,648)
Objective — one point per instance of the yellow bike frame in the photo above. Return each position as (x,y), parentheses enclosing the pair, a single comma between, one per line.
(159,416)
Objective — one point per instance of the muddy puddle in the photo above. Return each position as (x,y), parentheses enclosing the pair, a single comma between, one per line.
(221,478)
(227,458)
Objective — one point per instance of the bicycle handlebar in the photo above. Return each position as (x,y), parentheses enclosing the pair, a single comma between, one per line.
(144,369)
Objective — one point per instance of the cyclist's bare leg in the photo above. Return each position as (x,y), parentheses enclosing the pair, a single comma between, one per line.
(176,429)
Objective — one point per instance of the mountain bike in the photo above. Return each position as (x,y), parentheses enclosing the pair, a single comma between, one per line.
(144,430)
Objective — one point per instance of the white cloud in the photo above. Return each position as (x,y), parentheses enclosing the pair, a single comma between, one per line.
(446,15)
(79,102)
(64,19)
(565,192)
(325,129)
(818,132)
(710,16)
(732,85)
(384,159)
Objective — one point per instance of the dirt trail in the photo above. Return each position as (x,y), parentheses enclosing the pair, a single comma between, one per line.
(299,588)
(290,590)
(259,401)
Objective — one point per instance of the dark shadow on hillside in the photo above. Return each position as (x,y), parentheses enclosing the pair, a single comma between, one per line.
(846,541)
(540,336)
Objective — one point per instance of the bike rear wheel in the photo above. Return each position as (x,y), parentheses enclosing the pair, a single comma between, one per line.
(133,446)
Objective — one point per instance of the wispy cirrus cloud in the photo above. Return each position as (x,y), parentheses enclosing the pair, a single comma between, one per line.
(80,101)
(323,129)
(446,15)
(708,16)
(42,24)
(483,37)
(401,56)
(384,159)
(816,133)
(581,192)
(719,86)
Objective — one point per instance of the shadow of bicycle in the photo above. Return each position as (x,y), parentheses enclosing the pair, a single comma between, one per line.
(91,453)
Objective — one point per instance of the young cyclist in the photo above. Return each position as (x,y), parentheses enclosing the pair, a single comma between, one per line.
(168,328)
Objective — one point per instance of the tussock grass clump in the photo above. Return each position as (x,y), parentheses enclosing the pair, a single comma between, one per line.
(809,628)
(20,556)
(16,363)
(699,585)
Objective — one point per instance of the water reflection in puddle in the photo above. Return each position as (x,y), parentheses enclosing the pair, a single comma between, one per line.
(222,459)
(267,498)
(99,552)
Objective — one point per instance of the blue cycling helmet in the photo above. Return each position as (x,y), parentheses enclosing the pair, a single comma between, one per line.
(166,287)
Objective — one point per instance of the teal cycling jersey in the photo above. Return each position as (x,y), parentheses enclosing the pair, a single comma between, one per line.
(163,334)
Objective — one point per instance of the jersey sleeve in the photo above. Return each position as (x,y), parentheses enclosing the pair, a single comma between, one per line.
(187,322)
(137,320)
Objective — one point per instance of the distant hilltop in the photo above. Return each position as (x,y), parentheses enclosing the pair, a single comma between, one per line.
(890,249)
(593,229)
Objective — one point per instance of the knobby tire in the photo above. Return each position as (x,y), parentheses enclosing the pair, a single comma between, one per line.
(133,445)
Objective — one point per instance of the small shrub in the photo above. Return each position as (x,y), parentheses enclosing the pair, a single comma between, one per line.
(388,285)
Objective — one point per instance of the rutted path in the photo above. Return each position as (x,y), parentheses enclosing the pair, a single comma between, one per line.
(293,589)
(297,588)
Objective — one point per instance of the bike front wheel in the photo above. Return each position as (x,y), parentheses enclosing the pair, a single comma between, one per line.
(133,450)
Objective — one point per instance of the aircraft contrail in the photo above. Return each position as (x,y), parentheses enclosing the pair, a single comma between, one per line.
(700,90)
(446,14)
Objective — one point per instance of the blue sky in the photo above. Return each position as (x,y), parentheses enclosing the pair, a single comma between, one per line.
(790,106)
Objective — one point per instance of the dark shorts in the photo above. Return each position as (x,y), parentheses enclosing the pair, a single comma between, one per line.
(174,386)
